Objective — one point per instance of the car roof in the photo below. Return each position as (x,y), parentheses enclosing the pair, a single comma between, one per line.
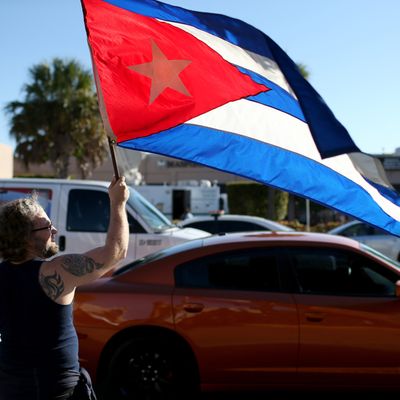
(299,237)
(55,181)
(225,216)
(339,228)
(261,222)
(243,239)
(238,241)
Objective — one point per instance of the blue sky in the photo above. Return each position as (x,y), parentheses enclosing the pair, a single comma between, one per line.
(351,48)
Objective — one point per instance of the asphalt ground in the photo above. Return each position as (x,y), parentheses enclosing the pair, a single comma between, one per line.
(292,395)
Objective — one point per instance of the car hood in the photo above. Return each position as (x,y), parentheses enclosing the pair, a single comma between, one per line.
(187,233)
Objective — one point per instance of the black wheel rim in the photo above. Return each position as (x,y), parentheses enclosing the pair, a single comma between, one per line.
(147,374)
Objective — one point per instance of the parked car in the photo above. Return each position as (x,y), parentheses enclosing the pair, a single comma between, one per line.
(233,223)
(244,311)
(81,211)
(374,237)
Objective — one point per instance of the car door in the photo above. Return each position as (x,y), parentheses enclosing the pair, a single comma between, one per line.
(242,327)
(349,319)
(84,220)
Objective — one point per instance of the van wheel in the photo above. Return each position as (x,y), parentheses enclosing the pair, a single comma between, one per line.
(150,369)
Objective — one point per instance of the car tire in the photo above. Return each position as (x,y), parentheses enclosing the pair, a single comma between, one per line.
(150,369)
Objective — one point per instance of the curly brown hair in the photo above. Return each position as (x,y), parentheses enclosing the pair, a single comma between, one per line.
(16,223)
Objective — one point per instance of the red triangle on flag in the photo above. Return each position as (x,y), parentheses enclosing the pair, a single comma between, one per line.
(155,76)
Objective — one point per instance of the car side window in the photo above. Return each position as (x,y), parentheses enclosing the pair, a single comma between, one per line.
(208,226)
(226,226)
(239,226)
(333,272)
(369,279)
(358,230)
(378,231)
(249,270)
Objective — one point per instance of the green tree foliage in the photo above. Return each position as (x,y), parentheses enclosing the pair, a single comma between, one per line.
(58,119)
(252,199)
(248,198)
(281,202)
(303,70)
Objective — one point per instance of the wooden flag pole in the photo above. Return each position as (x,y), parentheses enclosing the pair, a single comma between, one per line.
(111,143)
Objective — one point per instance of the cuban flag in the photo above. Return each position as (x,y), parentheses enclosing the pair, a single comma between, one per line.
(214,90)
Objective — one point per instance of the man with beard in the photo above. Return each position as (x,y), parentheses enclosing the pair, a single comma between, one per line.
(38,343)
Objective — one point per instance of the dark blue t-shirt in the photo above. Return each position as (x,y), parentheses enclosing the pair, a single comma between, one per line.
(35,331)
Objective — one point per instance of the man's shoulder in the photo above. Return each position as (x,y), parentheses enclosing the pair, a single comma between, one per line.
(8,264)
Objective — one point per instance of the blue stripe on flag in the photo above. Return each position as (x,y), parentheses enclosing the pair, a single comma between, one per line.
(267,164)
(277,97)
(230,29)
(329,135)
(386,192)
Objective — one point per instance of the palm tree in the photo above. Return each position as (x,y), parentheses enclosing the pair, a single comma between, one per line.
(58,119)
(303,70)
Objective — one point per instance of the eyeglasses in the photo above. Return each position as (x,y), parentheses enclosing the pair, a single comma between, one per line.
(48,227)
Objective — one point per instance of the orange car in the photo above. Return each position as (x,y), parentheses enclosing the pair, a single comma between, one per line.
(244,311)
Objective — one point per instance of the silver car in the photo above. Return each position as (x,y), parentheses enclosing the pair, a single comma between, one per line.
(233,223)
(376,238)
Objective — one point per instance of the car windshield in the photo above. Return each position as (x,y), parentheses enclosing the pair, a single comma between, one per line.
(154,218)
(191,244)
(276,226)
(389,260)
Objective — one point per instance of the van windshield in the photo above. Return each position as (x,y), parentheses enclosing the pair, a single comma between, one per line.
(154,218)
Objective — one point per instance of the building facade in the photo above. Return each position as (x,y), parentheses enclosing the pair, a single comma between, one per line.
(152,169)
(391,165)
(6,161)
(156,170)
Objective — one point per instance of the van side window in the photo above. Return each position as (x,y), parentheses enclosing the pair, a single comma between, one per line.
(44,196)
(88,211)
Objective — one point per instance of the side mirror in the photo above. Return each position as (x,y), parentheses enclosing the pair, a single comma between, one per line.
(398,289)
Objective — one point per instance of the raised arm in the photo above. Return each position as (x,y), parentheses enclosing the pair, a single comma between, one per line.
(60,276)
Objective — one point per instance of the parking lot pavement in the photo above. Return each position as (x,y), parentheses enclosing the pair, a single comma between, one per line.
(293,395)
(256,396)
(248,396)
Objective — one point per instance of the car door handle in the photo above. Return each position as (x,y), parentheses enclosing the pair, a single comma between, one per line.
(61,243)
(315,316)
(193,307)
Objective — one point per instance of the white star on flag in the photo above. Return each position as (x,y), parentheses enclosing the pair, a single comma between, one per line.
(164,73)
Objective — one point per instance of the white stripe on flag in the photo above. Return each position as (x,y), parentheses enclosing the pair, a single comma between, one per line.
(268,125)
(238,56)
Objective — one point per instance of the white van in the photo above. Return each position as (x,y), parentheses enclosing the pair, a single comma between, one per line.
(80,212)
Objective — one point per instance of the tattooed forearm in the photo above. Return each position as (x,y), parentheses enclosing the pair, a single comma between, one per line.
(52,285)
(79,265)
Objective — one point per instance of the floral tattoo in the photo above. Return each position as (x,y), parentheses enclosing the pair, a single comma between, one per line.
(52,285)
(79,265)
